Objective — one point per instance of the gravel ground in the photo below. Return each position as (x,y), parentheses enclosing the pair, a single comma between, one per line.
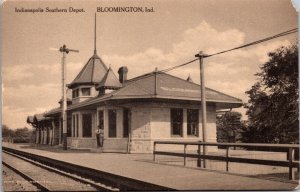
(11,181)
(47,178)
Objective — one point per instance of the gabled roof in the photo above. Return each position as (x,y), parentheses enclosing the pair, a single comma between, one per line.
(30,119)
(92,73)
(110,80)
(163,86)
(39,117)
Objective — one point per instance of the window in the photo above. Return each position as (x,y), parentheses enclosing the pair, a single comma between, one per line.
(86,91)
(192,121)
(75,93)
(73,125)
(112,123)
(77,125)
(176,121)
(69,126)
(86,125)
(100,120)
(126,120)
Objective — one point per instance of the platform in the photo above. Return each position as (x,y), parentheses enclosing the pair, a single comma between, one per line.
(141,167)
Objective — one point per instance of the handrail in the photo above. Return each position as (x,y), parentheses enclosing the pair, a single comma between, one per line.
(250,145)
(288,148)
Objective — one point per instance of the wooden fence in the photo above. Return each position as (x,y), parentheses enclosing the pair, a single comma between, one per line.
(290,149)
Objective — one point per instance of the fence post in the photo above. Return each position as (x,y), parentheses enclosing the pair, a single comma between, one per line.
(227,154)
(154,149)
(291,158)
(199,153)
(184,154)
(204,157)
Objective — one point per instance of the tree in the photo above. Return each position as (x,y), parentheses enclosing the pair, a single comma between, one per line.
(229,127)
(23,135)
(7,132)
(273,108)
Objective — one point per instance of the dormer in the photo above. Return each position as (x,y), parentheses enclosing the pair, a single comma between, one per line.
(109,83)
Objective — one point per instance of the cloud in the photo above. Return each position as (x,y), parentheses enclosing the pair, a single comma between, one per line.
(31,89)
(16,75)
(233,67)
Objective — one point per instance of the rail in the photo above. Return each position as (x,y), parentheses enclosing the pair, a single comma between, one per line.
(288,148)
(109,179)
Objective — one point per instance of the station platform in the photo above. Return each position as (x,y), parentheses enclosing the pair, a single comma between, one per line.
(141,167)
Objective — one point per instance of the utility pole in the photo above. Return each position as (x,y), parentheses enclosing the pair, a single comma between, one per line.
(201,55)
(65,51)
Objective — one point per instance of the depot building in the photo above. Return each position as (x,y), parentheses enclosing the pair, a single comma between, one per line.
(133,112)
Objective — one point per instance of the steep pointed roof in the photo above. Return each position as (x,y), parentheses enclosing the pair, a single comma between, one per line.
(92,73)
(110,80)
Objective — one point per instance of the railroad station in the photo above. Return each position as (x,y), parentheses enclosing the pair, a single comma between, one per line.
(132,112)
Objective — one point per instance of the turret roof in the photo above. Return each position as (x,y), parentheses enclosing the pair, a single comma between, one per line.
(92,73)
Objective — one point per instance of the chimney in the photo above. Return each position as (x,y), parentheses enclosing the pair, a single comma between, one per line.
(122,74)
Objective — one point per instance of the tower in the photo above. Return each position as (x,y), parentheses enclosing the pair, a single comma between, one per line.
(84,84)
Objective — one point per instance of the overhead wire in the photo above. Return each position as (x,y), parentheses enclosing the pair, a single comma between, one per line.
(235,48)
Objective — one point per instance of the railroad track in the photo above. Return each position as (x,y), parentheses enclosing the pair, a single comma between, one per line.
(47,178)
(83,178)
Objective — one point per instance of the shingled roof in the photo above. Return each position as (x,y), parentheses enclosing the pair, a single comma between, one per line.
(164,86)
(110,80)
(91,74)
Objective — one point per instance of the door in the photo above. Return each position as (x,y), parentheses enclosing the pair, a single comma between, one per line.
(87,125)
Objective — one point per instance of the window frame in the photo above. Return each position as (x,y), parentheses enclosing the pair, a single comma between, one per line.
(179,121)
(112,123)
(91,125)
(126,122)
(85,88)
(190,121)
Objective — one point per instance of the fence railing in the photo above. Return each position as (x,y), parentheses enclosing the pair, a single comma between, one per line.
(290,149)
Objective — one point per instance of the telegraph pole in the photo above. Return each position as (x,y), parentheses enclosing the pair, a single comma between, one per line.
(65,51)
(201,55)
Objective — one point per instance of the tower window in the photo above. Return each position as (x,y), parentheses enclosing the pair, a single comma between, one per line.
(86,91)
(75,93)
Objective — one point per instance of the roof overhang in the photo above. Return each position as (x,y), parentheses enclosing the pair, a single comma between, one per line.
(220,104)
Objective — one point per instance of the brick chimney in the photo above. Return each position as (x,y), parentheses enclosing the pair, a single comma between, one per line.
(122,74)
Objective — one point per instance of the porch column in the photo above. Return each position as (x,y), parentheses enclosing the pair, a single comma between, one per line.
(45,135)
(50,136)
(37,135)
(42,135)
(52,131)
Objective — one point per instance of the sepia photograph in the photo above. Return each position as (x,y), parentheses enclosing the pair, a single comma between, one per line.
(149,95)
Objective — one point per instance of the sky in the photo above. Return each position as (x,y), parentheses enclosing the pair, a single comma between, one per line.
(169,36)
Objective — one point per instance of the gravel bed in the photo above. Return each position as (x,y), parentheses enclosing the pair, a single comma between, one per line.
(13,182)
(51,180)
